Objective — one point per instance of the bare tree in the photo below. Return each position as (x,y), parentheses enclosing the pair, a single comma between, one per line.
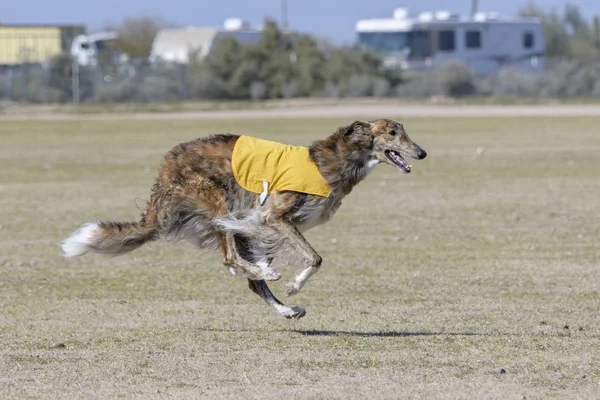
(137,34)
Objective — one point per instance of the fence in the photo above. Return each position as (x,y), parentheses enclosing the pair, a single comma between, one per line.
(62,81)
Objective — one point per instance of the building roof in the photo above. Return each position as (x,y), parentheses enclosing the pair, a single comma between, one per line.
(176,44)
(77,26)
(401,21)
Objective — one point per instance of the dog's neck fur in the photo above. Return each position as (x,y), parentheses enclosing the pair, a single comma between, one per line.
(343,162)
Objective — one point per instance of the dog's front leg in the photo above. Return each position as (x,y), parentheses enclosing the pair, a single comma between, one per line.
(311,260)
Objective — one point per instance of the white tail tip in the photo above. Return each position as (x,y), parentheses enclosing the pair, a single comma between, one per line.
(78,243)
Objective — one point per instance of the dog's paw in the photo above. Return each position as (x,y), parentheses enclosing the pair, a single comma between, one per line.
(292,312)
(269,274)
(299,312)
(292,289)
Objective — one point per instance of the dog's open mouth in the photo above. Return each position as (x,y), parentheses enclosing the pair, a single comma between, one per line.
(398,161)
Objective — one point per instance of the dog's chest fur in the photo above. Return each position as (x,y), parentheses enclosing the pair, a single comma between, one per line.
(316,211)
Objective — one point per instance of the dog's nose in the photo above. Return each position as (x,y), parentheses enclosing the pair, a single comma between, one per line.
(422,154)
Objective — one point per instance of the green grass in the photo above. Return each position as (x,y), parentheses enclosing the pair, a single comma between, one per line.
(431,282)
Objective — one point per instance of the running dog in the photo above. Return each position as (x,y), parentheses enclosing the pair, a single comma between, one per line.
(209,192)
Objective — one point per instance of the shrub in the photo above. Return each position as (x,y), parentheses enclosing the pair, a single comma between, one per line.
(456,80)
(357,86)
(202,85)
(510,82)
(418,86)
(116,92)
(258,91)
(381,87)
(331,91)
(292,89)
(156,88)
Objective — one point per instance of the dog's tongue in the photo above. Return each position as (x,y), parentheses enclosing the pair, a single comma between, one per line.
(399,161)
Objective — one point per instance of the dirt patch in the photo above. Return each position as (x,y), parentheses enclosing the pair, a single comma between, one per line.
(327,110)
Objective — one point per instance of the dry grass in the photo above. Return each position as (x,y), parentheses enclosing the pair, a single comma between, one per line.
(431,281)
(107,109)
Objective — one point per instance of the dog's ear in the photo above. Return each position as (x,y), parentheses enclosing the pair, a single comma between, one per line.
(359,133)
(357,128)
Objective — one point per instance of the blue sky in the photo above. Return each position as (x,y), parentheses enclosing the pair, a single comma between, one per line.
(325,18)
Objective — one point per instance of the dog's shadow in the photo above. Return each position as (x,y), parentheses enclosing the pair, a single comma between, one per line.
(312,332)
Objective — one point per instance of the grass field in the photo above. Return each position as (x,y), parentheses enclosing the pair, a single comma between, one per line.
(486,257)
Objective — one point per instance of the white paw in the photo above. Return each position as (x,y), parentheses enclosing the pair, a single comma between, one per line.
(291,312)
(233,271)
(269,274)
(292,289)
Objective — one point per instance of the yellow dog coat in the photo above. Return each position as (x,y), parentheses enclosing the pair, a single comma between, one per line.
(283,166)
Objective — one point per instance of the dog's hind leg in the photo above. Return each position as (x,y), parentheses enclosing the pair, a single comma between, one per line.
(260,288)
(239,266)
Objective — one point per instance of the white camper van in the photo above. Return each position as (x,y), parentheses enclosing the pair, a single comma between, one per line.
(484,42)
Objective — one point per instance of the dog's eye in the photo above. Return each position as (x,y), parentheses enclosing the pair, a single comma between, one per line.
(393,133)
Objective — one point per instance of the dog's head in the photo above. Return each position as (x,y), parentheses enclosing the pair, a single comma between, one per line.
(388,141)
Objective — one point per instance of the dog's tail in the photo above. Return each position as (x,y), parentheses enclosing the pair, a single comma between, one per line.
(110,238)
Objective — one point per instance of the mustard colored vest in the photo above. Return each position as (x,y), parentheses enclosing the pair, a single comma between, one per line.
(285,167)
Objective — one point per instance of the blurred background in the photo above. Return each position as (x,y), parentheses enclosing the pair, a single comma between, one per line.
(68,51)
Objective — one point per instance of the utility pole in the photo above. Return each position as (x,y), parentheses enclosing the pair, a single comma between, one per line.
(473,7)
(597,32)
(75,82)
(284,23)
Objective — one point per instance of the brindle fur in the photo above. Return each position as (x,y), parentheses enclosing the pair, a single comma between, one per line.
(196,198)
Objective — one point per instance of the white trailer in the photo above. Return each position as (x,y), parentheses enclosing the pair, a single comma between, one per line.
(484,42)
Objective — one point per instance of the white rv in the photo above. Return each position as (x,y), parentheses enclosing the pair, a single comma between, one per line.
(484,42)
